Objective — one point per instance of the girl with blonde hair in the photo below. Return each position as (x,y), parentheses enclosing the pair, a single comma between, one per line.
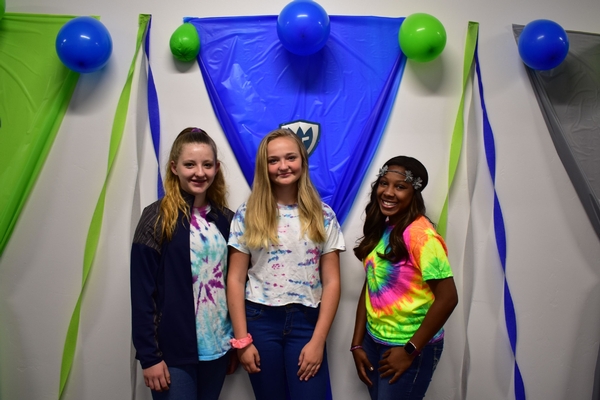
(283,286)
(180,325)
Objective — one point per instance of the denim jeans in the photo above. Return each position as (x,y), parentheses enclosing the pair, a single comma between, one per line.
(279,334)
(202,381)
(413,383)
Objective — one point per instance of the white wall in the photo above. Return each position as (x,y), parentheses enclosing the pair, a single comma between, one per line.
(553,253)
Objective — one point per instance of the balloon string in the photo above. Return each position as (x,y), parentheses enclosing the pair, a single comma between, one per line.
(91,244)
(500,233)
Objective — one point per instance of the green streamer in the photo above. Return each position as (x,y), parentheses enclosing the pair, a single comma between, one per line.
(459,125)
(35,91)
(93,236)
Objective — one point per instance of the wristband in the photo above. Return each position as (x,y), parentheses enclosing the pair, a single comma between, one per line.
(358,346)
(241,343)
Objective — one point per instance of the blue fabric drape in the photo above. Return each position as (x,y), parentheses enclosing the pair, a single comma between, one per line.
(348,88)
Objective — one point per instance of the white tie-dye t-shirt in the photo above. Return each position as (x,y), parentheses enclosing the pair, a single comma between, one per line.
(209,269)
(288,272)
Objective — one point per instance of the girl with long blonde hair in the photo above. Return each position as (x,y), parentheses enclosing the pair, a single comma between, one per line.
(180,324)
(283,286)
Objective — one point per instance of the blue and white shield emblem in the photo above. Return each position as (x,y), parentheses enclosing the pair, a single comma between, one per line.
(309,133)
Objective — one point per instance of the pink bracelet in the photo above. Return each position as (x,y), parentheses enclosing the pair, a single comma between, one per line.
(358,346)
(241,343)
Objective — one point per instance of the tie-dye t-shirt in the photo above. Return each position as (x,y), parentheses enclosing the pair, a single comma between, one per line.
(398,296)
(209,268)
(288,272)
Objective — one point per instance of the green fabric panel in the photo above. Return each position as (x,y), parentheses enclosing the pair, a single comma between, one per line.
(35,90)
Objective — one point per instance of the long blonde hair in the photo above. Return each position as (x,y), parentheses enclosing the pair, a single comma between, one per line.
(173,201)
(261,209)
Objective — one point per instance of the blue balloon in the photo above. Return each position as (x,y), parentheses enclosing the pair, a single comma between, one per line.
(303,27)
(84,45)
(543,44)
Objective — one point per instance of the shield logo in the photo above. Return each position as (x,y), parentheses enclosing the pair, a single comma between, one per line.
(309,133)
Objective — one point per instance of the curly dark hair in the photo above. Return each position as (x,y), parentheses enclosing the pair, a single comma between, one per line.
(375,224)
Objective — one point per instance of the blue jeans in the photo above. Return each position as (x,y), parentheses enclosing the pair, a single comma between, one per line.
(202,381)
(413,383)
(279,334)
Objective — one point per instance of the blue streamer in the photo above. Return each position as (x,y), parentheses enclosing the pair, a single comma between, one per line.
(500,233)
(153,113)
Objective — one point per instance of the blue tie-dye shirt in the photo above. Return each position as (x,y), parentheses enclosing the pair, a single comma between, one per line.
(209,269)
(288,272)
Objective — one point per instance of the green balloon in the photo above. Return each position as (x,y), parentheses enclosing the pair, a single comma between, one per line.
(184,43)
(2,8)
(422,37)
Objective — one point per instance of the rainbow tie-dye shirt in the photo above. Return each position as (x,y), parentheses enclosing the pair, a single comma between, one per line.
(397,296)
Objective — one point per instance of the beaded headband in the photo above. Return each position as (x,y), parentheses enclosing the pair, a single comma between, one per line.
(408,176)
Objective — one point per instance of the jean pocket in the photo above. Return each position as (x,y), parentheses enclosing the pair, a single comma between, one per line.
(437,354)
(253,312)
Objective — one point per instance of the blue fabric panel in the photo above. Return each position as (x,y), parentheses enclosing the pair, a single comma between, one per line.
(348,88)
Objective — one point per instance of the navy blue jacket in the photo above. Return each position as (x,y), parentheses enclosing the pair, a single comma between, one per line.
(162,299)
